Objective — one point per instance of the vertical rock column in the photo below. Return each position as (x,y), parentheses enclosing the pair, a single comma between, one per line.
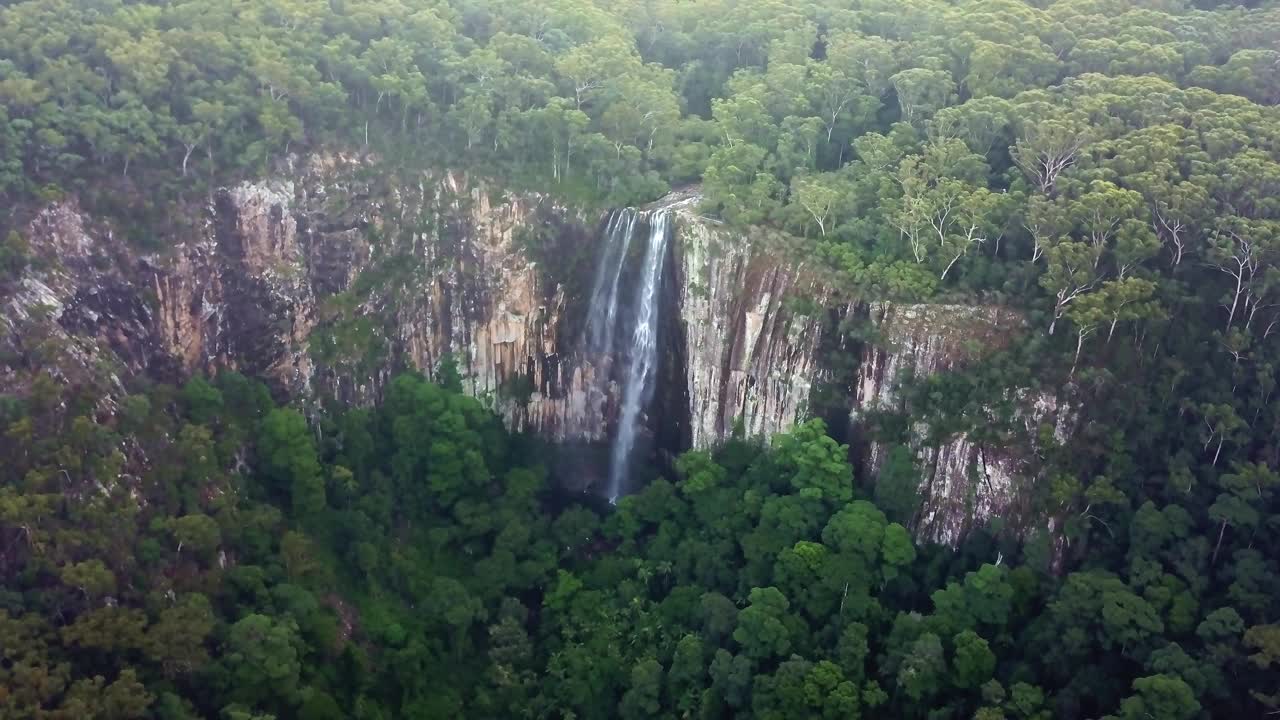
(752,358)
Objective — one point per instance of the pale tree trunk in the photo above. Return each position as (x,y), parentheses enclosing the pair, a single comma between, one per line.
(1221,531)
(1174,232)
(1235,299)
(951,264)
(1080,336)
(1060,309)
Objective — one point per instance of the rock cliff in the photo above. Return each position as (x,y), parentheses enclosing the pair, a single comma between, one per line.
(964,481)
(331,277)
(323,282)
(753,351)
(754,329)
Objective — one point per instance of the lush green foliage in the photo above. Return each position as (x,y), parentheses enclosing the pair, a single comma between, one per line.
(1110,167)
(597,100)
(410,561)
(1104,162)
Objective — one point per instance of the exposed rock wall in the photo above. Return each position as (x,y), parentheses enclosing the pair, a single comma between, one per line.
(752,358)
(331,277)
(963,482)
(479,297)
(327,281)
(73,307)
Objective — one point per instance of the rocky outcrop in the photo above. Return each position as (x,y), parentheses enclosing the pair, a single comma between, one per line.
(754,326)
(330,278)
(324,282)
(753,351)
(75,312)
(964,482)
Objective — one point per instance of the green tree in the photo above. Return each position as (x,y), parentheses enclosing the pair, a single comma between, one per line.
(761,631)
(642,698)
(289,458)
(198,534)
(974,663)
(1160,696)
(262,660)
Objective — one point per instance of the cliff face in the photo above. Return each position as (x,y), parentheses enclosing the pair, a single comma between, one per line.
(755,356)
(753,353)
(331,277)
(964,482)
(325,282)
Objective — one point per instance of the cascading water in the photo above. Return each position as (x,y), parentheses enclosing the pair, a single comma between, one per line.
(603,312)
(642,355)
(639,356)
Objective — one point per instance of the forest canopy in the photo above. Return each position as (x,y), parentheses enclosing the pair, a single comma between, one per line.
(611,101)
(413,561)
(1064,152)
(200,549)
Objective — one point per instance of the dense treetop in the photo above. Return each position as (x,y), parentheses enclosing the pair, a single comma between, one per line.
(1110,168)
(1064,151)
(613,100)
(412,561)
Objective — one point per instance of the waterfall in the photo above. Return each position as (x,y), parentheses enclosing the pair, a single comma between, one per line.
(603,312)
(642,355)
(636,359)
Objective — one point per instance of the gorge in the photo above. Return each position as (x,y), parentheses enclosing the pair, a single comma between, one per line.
(649,331)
